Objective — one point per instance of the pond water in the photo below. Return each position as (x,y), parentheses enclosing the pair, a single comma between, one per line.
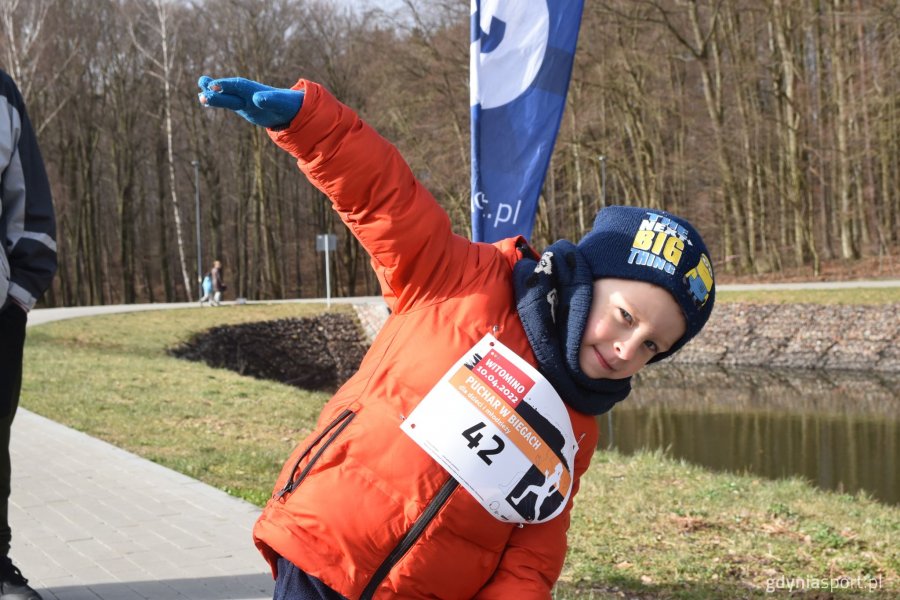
(838,430)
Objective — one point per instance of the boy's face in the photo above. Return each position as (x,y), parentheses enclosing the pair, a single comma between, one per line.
(629,323)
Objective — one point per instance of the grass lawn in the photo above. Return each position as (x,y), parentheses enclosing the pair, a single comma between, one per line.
(645,526)
(110,376)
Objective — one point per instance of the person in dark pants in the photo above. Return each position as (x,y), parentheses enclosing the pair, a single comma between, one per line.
(27,265)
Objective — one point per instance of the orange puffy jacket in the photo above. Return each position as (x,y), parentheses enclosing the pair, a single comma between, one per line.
(358,504)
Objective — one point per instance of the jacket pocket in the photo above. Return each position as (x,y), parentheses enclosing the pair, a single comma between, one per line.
(329,434)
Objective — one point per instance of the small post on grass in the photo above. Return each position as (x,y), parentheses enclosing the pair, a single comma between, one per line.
(326,242)
(196,165)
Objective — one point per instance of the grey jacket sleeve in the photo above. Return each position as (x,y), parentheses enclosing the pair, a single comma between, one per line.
(27,221)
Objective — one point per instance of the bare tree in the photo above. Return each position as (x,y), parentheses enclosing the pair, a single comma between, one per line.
(788,127)
(24,29)
(23,33)
(773,125)
(160,19)
(848,247)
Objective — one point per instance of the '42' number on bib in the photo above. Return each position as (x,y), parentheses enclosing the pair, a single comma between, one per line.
(474,438)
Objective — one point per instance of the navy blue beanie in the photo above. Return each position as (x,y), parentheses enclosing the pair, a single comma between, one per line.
(643,244)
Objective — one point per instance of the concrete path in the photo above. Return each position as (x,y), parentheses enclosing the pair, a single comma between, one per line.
(93,522)
(811,285)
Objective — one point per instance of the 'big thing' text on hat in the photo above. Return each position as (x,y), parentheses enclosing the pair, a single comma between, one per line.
(644,244)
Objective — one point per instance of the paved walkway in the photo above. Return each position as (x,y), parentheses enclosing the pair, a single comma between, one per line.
(93,522)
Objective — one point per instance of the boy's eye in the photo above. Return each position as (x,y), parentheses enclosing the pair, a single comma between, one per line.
(651,345)
(626,315)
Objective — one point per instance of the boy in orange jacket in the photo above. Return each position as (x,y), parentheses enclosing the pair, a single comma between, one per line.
(447,465)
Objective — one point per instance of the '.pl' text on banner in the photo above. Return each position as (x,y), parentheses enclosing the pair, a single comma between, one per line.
(520,66)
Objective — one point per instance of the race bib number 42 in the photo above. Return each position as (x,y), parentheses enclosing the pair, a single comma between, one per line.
(502,431)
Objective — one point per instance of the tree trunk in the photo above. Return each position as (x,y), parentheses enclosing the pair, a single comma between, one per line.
(711,76)
(848,247)
(788,126)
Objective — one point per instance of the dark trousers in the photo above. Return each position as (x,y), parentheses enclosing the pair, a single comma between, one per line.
(12,341)
(294,584)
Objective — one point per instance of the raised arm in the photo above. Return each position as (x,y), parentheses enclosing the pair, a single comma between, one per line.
(405,231)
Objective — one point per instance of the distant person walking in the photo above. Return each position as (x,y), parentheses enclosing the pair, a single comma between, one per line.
(213,285)
(218,283)
(207,287)
(27,265)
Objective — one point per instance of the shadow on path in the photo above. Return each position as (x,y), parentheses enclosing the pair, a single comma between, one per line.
(228,587)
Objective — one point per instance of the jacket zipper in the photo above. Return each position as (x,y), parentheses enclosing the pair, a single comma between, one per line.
(417,529)
(343,420)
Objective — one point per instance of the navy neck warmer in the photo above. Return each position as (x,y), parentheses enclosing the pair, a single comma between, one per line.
(553,298)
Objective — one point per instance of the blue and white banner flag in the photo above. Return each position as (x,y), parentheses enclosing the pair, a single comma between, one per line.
(520,66)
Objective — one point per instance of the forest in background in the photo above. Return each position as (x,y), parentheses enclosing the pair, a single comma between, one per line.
(773,125)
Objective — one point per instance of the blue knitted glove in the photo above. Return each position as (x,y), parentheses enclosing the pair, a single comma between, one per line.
(273,108)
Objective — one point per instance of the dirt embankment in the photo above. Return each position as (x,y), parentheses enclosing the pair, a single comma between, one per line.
(807,336)
(322,352)
(318,353)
